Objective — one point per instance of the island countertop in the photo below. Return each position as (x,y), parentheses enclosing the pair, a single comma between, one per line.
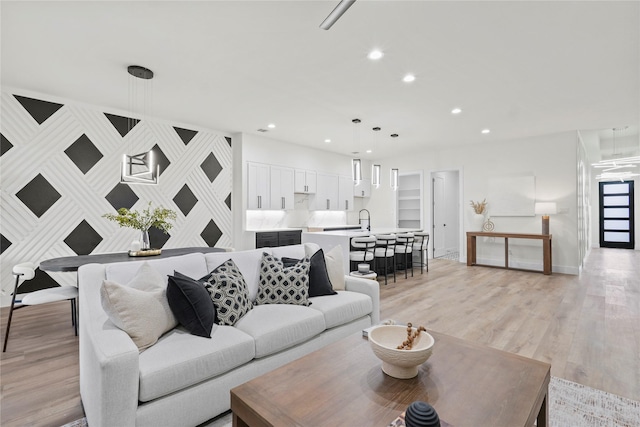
(327,240)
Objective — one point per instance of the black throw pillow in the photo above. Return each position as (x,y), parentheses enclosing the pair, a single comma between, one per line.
(190,302)
(319,283)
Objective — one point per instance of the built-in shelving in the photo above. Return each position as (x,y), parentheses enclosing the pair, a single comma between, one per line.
(409,200)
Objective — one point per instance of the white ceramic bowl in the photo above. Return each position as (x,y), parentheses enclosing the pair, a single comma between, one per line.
(400,363)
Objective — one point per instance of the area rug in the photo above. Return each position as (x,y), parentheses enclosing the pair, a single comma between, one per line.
(570,405)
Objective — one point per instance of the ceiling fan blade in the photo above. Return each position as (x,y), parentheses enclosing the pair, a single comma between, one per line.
(336,13)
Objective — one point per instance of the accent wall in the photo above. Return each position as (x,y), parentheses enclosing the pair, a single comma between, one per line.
(60,172)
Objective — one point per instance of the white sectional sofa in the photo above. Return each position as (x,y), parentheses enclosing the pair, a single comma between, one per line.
(183,379)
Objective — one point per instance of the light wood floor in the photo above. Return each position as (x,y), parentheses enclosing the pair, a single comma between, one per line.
(587,327)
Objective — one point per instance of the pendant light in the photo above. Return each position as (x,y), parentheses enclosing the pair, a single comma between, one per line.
(393,178)
(139,168)
(375,176)
(356,164)
(375,169)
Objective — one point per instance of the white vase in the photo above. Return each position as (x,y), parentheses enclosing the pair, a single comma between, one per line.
(477,221)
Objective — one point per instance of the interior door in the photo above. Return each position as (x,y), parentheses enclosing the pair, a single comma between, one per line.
(439,217)
(617,226)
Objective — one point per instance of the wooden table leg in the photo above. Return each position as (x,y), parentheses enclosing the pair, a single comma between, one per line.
(546,253)
(471,250)
(506,252)
(543,415)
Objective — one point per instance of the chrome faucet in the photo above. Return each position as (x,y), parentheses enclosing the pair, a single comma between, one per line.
(368,218)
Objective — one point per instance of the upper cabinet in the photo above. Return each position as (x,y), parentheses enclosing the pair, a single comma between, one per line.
(345,193)
(363,189)
(326,197)
(269,187)
(305,181)
(281,189)
(258,186)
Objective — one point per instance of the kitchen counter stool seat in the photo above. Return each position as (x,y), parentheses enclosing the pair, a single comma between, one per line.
(421,244)
(385,250)
(363,250)
(404,248)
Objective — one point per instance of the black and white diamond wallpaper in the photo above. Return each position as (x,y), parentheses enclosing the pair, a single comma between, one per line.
(60,172)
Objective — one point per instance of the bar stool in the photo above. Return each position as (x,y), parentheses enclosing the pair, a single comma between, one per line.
(385,249)
(26,271)
(364,252)
(404,246)
(421,244)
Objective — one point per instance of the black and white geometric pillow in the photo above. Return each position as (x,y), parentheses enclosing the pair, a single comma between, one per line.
(229,292)
(283,285)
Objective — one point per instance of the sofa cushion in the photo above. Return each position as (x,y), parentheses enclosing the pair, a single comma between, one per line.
(335,267)
(229,292)
(289,251)
(140,308)
(319,282)
(283,285)
(248,262)
(192,305)
(179,360)
(193,265)
(276,327)
(342,308)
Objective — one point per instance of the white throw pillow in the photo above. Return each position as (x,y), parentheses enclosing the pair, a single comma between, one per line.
(335,267)
(140,308)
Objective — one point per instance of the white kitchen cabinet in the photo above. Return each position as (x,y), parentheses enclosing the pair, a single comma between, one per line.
(345,193)
(363,189)
(281,188)
(305,181)
(258,186)
(326,197)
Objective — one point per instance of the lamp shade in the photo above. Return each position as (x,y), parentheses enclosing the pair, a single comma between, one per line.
(546,208)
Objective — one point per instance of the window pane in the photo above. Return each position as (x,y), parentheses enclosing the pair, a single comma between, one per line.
(616,201)
(616,212)
(610,236)
(623,187)
(612,224)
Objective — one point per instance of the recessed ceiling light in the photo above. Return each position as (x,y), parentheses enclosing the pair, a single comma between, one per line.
(408,78)
(486,131)
(368,151)
(271,126)
(375,54)
(456,111)
(327,140)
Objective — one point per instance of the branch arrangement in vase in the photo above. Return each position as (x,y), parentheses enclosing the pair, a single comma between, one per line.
(479,207)
(160,217)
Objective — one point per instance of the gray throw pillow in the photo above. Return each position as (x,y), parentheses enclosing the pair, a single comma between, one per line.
(283,285)
(229,292)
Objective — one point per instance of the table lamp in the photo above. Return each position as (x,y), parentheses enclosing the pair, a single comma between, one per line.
(545,209)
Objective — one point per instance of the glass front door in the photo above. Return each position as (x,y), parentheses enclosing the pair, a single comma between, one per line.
(616,215)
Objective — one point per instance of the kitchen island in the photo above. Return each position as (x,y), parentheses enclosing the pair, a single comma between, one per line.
(327,240)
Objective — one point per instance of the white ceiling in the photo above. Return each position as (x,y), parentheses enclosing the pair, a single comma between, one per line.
(519,68)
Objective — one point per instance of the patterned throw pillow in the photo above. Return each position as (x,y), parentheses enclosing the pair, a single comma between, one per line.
(283,285)
(229,292)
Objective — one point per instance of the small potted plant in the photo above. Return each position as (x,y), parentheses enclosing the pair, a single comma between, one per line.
(159,217)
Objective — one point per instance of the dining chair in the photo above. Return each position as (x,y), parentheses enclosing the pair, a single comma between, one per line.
(27,271)
(385,250)
(362,250)
(420,244)
(404,247)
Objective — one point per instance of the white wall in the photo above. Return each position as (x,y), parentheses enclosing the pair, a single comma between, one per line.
(550,158)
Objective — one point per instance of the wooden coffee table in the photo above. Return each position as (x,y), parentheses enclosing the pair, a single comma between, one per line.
(343,385)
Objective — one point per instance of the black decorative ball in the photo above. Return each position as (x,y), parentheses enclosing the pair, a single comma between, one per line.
(421,414)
